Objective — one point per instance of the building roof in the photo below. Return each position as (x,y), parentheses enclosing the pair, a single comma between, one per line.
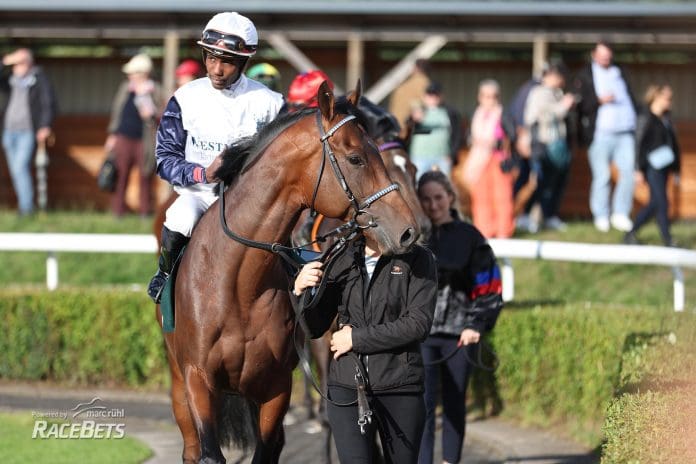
(636,8)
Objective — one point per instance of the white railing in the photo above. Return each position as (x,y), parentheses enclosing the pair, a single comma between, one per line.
(676,258)
(505,249)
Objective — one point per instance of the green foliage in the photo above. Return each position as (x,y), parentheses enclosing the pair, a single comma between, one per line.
(560,366)
(81,337)
(17,446)
(651,419)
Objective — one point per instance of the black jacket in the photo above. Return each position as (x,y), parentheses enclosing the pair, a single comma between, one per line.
(583,85)
(469,285)
(651,133)
(42,99)
(391,315)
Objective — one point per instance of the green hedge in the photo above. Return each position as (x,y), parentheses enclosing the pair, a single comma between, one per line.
(560,366)
(652,417)
(81,337)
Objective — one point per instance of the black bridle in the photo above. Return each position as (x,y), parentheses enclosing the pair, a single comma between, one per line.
(327,152)
(347,231)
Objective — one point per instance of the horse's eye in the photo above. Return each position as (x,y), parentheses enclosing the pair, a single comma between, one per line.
(356,160)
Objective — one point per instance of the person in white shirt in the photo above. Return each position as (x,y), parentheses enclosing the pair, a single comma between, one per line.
(607,118)
(203,118)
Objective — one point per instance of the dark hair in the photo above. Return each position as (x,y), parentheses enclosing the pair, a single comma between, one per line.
(434,88)
(555,67)
(603,41)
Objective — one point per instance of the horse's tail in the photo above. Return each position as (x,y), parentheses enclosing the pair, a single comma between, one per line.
(238,422)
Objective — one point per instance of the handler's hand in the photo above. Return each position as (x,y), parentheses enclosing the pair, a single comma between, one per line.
(468,337)
(309,276)
(342,341)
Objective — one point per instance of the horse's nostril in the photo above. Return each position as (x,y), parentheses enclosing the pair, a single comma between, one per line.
(408,237)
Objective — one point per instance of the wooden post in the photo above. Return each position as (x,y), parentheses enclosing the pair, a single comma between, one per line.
(401,71)
(170,61)
(540,52)
(355,65)
(294,55)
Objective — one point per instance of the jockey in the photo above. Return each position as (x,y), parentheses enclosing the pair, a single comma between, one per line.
(201,119)
(265,73)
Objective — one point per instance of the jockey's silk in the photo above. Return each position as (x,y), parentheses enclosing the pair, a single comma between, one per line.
(205,121)
(214,119)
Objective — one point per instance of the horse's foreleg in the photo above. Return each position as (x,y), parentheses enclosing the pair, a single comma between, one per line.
(271,434)
(201,406)
(192,447)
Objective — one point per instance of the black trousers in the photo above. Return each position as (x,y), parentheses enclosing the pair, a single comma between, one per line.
(658,205)
(551,184)
(451,379)
(397,417)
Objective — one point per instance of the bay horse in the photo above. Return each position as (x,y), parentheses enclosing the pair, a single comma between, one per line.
(233,317)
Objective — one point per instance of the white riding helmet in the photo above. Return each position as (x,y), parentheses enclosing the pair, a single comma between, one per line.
(230,34)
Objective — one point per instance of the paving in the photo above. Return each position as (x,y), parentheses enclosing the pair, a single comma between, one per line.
(148,418)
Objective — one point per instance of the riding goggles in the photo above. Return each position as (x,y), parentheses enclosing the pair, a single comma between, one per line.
(226,43)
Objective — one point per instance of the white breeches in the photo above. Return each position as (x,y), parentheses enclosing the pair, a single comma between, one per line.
(186,210)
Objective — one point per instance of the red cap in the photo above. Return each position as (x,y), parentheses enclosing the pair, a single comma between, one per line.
(189,68)
(303,89)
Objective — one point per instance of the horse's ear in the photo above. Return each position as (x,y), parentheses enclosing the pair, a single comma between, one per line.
(325,97)
(354,96)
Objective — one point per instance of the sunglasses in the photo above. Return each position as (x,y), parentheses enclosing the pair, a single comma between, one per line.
(232,43)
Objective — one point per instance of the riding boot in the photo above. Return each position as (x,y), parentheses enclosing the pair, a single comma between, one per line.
(172,244)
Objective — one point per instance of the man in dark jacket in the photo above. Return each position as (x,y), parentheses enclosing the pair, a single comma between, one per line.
(607,120)
(27,109)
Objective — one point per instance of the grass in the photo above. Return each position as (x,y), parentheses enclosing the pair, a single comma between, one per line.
(18,447)
(536,281)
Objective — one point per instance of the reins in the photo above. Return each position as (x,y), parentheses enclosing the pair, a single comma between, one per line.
(478,362)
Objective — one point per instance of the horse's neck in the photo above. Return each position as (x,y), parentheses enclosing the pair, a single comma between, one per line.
(260,206)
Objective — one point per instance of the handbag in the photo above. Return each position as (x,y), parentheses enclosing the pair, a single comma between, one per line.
(558,153)
(661,157)
(106,179)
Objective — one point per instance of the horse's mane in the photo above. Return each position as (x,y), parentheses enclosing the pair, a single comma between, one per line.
(238,156)
(245,151)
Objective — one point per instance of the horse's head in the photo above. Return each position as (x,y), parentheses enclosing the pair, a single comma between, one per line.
(384,128)
(355,183)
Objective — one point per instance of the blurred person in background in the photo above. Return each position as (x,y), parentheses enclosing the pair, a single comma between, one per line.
(607,121)
(200,121)
(27,110)
(267,74)
(521,151)
(544,116)
(304,87)
(430,144)
(657,155)
(485,175)
(469,300)
(187,71)
(410,92)
(134,115)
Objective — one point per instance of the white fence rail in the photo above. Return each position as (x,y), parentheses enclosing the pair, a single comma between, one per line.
(505,249)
